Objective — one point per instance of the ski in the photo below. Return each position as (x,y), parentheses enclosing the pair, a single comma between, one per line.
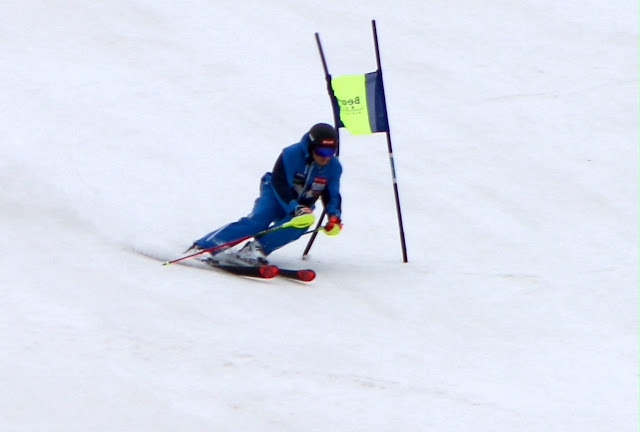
(303,275)
(266,271)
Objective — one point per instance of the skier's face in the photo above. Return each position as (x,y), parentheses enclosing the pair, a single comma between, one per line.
(323,154)
(322,161)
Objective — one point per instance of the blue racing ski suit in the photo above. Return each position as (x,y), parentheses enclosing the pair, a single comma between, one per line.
(295,180)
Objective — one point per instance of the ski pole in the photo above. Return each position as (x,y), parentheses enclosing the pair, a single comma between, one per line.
(313,235)
(300,222)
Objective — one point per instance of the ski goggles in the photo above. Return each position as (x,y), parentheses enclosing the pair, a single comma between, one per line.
(325,151)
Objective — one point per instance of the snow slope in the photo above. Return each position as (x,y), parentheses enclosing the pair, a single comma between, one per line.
(142,125)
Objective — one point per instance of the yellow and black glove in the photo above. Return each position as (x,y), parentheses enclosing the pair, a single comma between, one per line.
(303,217)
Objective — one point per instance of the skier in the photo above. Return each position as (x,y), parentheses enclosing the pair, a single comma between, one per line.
(303,172)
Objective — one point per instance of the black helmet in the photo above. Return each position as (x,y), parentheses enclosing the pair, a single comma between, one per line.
(323,134)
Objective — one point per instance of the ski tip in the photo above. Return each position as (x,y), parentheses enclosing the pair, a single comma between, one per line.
(269,271)
(306,275)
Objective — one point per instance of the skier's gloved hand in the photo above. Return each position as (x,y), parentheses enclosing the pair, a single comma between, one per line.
(302,210)
(333,227)
(303,217)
